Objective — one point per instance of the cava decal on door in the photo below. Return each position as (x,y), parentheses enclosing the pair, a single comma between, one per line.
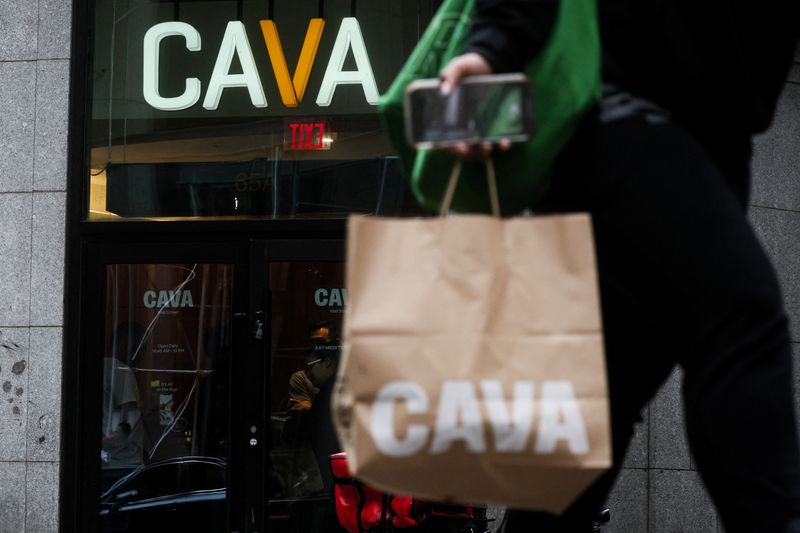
(167,298)
(334,299)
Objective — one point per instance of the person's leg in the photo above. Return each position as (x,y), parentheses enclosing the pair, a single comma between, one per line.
(683,217)
(640,353)
(701,280)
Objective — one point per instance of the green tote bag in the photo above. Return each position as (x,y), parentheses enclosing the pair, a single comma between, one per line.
(565,77)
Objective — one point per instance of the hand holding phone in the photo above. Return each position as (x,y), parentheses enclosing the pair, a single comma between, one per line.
(479,109)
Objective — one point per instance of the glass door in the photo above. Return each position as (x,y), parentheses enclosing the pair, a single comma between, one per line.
(207,371)
(306,298)
(164,435)
(169,405)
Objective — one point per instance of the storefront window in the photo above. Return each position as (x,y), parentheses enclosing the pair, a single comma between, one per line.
(245,108)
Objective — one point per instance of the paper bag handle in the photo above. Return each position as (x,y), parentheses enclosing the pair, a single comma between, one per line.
(451,187)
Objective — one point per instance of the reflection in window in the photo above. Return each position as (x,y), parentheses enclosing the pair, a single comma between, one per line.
(306,328)
(259,188)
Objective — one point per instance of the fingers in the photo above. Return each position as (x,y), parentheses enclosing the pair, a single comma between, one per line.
(452,73)
(478,151)
(470,64)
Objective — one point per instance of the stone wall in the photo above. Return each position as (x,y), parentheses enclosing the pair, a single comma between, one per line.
(34,86)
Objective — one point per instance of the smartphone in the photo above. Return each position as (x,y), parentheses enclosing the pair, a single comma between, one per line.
(479,108)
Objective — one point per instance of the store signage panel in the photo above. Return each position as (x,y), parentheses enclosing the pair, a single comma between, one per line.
(236,45)
(210,65)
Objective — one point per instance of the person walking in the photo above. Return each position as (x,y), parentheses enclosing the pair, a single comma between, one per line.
(663,165)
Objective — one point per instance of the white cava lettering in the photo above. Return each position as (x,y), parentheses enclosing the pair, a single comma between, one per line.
(458,418)
(511,433)
(234,42)
(152,49)
(348,38)
(560,419)
(382,421)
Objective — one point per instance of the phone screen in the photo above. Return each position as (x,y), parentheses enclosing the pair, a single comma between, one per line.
(481,108)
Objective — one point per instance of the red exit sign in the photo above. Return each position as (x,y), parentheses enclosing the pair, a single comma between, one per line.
(307,136)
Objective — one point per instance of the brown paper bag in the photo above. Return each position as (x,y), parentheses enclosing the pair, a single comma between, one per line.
(473,366)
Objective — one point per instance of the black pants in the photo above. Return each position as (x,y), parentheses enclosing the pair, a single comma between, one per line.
(685,281)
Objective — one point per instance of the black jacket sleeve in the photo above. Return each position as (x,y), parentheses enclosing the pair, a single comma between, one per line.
(509,33)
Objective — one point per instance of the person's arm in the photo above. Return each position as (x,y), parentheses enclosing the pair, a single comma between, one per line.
(301,392)
(509,33)
(505,35)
